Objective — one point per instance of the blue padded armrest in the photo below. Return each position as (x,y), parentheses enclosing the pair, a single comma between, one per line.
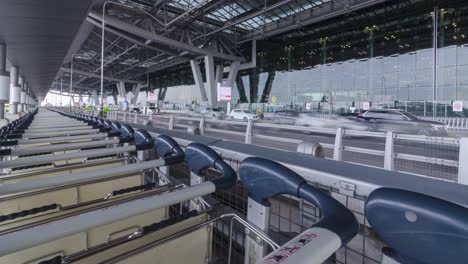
(419,228)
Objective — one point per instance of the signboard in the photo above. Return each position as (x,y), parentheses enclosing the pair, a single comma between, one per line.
(457,106)
(365,105)
(152,97)
(121,99)
(224,93)
(273,99)
(308,106)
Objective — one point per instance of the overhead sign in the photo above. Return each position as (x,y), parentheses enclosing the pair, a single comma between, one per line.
(273,99)
(121,99)
(365,105)
(224,93)
(152,97)
(457,106)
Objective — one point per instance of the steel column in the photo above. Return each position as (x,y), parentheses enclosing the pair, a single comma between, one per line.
(210,79)
(198,79)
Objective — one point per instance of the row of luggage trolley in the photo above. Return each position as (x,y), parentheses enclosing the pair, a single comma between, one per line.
(80,189)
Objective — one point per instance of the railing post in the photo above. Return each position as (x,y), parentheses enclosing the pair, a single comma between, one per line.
(248,133)
(338,148)
(259,215)
(171,123)
(462,162)
(135,118)
(202,126)
(389,156)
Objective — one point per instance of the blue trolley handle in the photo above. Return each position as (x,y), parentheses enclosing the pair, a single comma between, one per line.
(265,178)
(201,157)
(169,150)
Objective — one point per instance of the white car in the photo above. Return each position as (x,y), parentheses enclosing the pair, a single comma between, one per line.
(244,115)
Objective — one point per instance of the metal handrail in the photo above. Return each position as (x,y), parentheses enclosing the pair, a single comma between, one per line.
(381,135)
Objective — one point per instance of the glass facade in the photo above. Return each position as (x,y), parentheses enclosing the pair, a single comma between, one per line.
(383,55)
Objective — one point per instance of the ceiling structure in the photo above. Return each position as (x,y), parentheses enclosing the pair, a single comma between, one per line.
(146,36)
(38,35)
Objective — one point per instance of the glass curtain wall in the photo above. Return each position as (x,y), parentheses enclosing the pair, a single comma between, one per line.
(383,56)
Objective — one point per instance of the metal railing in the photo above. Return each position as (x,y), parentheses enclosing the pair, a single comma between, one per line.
(451,122)
(385,153)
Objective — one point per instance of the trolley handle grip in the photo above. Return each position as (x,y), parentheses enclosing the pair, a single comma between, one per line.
(201,157)
(32,211)
(169,150)
(145,187)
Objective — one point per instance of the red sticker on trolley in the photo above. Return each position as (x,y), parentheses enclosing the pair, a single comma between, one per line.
(289,249)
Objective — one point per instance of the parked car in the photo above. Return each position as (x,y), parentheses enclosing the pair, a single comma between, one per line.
(244,115)
(400,121)
(285,117)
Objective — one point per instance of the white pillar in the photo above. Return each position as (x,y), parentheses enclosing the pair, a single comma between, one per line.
(4,81)
(23,107)
(21,85)
(15,90)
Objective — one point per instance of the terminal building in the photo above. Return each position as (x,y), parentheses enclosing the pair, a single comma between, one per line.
(383,54)
(233,131)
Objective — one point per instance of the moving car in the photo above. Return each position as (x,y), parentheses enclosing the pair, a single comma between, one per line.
(214,113)
(285,117)
(400,121)
(244,115)
(208,113)
(311,120)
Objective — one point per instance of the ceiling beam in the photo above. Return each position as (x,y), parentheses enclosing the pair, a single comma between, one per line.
(74,86)
(316,14)
(92,75)
(161,40)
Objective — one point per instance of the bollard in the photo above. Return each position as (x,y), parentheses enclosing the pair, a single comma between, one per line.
(311,148)
(248,133)
(462,162)
(193,131)
(171,123)
(338,148)
(389,157)
(201,126)
(147,123)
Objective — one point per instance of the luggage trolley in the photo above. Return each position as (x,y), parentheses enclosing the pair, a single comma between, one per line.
(110,215)
(136,224)
(187,236)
